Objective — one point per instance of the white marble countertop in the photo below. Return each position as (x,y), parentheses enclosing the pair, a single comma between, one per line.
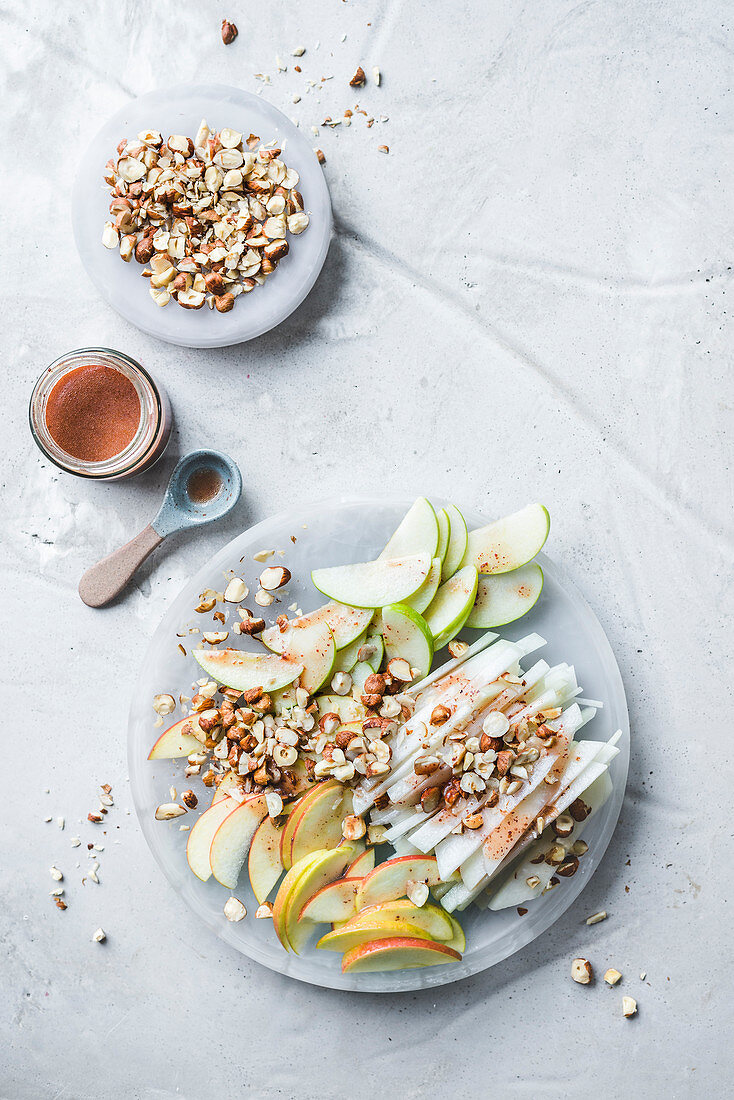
(526,299)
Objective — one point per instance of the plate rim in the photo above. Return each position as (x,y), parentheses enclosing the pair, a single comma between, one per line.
(437,976)
(79,221)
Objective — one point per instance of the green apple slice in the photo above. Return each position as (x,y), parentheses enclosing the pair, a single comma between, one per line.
(406,634)
(457,542)
(505,597)
(346,708)
(202,833)
(334,902)
(510,542)
(263,862)
(301,883)
(237,668)
(433,921)
(231,842)
(452,605)
(374,583)
(349,936)
(444,534)
(359,674)
(345,623)
(458,939)
(347,658)
(422,598)
(398,953)
(417,533)
(178,740)
(309,643)
(390,880)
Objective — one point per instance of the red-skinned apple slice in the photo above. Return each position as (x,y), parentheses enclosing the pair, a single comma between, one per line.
(231,842)
(319,823)
(333,902)
(390,880)
(286,840)
(399,953)
(202,833)
(240,669)
(363,864)
(349,935)
(175,742)
(429,918)
(264,865)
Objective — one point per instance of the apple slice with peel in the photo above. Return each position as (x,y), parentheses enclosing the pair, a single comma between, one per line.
(349,936)
(334,902)
(231,786)
(304,879)
(363,864)
(444,534)
(202,833)
(319,821)
(263,861)
(359,674)
(374,583)
(458,939)
(505,597)
(420,601)
(309,643)
(390,880)
(178,740)
(231,842)
(348,709)
(429,918)
(345,623)
(398,953)
(457,542)
(406,634)
(510,542)
(416,534)
(237,668)
(323,795)
(286,837)
(452,605)
(347,658)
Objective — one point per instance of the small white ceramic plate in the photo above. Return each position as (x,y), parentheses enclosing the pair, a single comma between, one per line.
(329,533)
(179,110)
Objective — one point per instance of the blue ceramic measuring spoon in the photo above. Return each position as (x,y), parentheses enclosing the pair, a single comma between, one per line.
(204,487)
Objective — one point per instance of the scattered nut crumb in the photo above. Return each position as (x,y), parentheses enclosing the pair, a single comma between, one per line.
(264,911)
(376,75)
(99,936)
(358,79)
(417,892)
(168,810)
(299,51)
(643,975)
(629,1006)
(263,555)
(56,874)
(581,971)
(612,976)
(383,148)
(595,918)
(264,599)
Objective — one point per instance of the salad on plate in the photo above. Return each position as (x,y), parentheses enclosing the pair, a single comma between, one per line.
(369,791)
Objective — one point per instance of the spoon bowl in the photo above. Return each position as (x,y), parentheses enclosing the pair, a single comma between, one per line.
(204,486)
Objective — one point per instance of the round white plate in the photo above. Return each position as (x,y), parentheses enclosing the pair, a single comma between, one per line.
(329,533)
(179,110)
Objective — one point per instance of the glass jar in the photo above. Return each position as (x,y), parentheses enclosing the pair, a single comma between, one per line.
(148,442)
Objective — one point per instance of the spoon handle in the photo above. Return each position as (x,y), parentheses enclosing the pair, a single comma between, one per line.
(108,577)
